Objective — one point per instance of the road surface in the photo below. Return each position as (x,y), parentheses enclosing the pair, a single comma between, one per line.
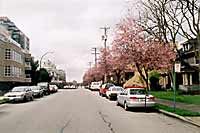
(83,111)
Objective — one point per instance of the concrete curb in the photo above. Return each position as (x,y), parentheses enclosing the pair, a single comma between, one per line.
(3,105)
(179,117)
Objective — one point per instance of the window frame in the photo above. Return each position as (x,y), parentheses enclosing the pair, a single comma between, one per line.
(7,71)
(8,54)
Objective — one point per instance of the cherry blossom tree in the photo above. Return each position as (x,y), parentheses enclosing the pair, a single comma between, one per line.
(143,53)
(93,74)
(105,62)
(119,64)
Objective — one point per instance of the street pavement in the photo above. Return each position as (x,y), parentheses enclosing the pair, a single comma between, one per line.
(83,111)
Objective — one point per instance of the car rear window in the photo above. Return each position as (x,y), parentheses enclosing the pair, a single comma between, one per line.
(109,85)
(117,89)
(137,91)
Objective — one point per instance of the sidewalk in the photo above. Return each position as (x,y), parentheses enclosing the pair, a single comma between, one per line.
(190,107)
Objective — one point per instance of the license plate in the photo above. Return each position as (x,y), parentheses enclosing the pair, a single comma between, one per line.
(141,100)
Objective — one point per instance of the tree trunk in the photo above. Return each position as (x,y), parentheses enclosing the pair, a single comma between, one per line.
(142,75)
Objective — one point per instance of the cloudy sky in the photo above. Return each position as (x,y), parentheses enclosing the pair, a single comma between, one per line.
(69,28)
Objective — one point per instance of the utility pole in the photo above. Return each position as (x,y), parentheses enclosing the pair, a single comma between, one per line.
(90,64)
(105,38)
(95,55)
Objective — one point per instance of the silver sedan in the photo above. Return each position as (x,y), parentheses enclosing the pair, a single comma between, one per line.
(135,97)
(21,93)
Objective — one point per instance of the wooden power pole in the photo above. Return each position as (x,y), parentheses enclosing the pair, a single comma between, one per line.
(105,38)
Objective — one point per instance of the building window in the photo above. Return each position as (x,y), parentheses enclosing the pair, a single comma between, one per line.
(17,57)
(7,71)
(16,72)
(8,54)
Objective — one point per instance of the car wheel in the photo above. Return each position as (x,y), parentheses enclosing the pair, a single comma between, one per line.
(31,98)
(109,98)
(126,106)
(117,103)
(24,99)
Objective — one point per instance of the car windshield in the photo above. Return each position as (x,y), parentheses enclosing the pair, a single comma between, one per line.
(137,91)
(109,85)
(34,88)
(52,86)
(18,89)
(117,89)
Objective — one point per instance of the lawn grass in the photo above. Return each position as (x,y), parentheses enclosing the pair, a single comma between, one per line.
(3,101)
(169,95)
(178,111)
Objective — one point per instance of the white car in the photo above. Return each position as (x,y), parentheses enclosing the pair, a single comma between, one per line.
(135,97)
(95,85)
(53,88)
(113,91)
(45,87)
(37,91)
(21,93)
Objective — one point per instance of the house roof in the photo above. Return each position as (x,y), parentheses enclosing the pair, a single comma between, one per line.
(136,80)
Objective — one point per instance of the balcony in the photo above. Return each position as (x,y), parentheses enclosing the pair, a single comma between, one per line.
(28,75)
(28,80)
(11,24)
(13,42)
(12,28)
(27,66)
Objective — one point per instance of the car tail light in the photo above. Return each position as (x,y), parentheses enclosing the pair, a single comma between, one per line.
(133,98)
(152,98)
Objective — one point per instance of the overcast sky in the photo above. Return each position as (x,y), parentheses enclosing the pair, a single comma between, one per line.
(69,28)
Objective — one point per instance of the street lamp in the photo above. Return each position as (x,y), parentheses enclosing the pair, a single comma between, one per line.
(43,57)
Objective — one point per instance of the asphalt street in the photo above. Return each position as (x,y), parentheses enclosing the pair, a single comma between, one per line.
(83,111)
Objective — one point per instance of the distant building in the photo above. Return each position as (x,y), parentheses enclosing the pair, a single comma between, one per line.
(14,56)
(57,75)
(61,75)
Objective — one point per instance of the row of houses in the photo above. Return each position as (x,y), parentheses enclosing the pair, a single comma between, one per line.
(15,57)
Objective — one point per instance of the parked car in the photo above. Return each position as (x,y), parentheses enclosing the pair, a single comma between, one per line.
(104,88)
(135,97)
(73,87)
(37,91)
(21,93)
(53,88)
(45,87)
(113,92)
(95,86)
